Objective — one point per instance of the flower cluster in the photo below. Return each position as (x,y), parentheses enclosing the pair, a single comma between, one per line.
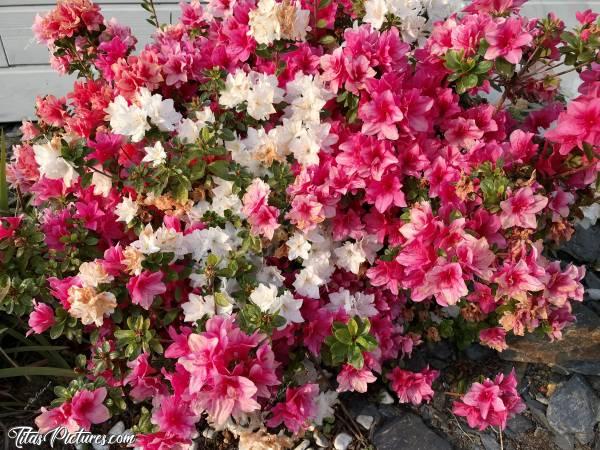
(490,403)
(273,202)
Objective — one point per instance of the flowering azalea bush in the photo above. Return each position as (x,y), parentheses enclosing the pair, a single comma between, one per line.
(274,202)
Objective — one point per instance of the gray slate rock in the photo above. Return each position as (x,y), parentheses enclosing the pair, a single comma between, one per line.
(573,408)
(564,441)
(519,424)
(585,244)
(489,441)
(407,432)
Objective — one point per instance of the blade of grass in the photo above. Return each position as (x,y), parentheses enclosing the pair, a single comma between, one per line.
(33,371)
(36,348)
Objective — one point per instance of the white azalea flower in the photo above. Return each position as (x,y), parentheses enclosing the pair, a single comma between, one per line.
(263,94)
(263,22)
(155,155)
(298,246)
(307,283)
(237,87)
(51,164)
(188,131)
(289,308)
(198,307)
(128,120)
(146,242)
(325,402)
(359,304)
(270,275)
(102,184)
(161,112)
(350,256)
(265,297)
(375,12)
(126,210)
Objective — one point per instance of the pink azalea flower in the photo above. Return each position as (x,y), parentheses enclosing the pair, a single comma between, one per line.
(445,282)
(173,416)
(41,318)
(381,115)
(353,379)
(515,279)
(298,409)
(87,407)
(144,287)
(490,403)
(413,387)
(162,441)
(53,418)
(494,338)
(8,226)
(507,39)
(143,379)
(520,209)
(578,124)
(262,217)
(228,396)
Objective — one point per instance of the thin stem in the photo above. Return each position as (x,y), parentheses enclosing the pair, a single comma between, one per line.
(501,442)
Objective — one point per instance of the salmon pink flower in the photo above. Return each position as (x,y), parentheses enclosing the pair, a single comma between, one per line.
(173,416)
(494,338)
(298,410)
(353,379)
(413,387)
(521,207)
(380,115)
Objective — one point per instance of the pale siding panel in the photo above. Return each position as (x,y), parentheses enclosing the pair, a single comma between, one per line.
(3,60)
(22,49)
(20,85)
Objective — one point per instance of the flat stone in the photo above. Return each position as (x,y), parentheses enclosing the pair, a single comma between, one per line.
(407,432)
(580,343)
(365,421)
(342,441)
(564,441)
(573,408)
(489,441)
(477,352)
(519,424)
(585,244)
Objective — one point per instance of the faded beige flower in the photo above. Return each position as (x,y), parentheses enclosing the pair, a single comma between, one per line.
(132,260)
(92,274)
(261,440)
(90,306)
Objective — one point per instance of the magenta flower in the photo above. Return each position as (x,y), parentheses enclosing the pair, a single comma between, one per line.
(144,287)
(381,115)
(507,39)
(87,407)
(41,318)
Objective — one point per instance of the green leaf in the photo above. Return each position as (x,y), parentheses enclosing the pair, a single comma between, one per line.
(328,40)
(504,68)
(467,82)
(355,357)
(352,327)
(483,67)
(367,342)
(321,23)
(219,168)
(324,4)
(41,371)
(453,60)
(343,335)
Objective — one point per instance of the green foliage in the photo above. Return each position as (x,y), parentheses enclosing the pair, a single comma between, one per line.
(348,342)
